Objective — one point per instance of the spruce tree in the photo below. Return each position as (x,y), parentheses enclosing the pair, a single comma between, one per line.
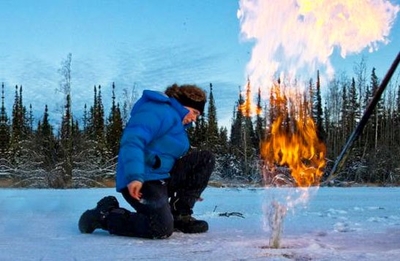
(5,134)
(90,118)
(114,127)
(66,146)
(46,142)
(197,135)
(20,129)
(318,111)
(344,112)
(354,106)
(223,141)
(212,139)
(236,127)
(260,124)
(243,136)
(378,112)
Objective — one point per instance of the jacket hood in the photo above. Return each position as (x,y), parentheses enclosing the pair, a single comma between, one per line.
(160,97)
(155,96)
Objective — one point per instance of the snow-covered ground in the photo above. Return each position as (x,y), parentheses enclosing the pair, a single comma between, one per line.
(334,224)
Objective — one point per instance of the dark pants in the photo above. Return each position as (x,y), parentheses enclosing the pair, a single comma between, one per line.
(161,200)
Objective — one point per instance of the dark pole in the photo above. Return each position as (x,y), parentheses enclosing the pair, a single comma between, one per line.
(358,130)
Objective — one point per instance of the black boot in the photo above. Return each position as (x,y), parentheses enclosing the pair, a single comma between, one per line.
(189,177)
(95,218)
(188,224)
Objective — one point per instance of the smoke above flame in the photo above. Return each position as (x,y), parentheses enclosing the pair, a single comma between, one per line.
(301,35)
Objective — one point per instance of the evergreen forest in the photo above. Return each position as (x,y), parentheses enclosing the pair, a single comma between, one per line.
(82,152)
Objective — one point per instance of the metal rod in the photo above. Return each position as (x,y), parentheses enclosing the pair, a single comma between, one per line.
(358,130)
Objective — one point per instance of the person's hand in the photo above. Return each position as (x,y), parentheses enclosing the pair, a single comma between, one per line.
(134,189)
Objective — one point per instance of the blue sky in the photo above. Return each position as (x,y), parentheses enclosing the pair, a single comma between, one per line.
(150,44)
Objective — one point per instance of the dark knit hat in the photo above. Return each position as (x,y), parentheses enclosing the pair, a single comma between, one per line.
(187,101)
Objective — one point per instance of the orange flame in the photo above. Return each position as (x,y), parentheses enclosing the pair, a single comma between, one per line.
(294,143)
(248,108)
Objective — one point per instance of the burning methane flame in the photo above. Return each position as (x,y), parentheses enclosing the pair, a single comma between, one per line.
(298,148)
(298,37)
(293,143)
(293,37)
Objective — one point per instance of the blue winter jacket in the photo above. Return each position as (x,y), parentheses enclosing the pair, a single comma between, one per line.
(152,140)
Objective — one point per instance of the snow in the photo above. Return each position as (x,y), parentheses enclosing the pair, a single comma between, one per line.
(329,224)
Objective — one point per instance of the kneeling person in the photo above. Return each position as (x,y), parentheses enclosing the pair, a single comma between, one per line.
(156,174)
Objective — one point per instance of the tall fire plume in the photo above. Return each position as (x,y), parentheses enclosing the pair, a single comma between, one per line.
(292,40)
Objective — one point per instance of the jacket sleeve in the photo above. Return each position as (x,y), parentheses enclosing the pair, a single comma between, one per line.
(142,128)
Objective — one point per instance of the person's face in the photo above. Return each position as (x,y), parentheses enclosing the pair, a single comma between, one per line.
(191,116)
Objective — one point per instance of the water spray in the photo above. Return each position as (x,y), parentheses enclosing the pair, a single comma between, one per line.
(275,218)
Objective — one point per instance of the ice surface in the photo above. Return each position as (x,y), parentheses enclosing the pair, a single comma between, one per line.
(332,224)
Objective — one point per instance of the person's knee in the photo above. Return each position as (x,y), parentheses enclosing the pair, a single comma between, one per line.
(208,157)
(162,234)
(162,226)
